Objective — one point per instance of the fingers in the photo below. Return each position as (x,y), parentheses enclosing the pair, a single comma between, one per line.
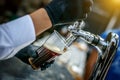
(87,5)
(46,65)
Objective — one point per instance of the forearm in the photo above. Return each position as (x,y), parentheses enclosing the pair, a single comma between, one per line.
(41,21)
(19,33)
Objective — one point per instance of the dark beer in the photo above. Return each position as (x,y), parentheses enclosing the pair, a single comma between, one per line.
(45,53)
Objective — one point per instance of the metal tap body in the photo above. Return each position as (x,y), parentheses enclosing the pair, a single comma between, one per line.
(107,48)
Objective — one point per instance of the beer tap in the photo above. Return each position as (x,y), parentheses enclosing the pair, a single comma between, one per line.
(56,45)
(106,47)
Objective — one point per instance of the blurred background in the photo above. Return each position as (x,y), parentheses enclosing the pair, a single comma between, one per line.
(105,15)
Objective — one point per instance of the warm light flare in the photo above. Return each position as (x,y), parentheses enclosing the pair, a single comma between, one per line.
(114,4)
(117,2)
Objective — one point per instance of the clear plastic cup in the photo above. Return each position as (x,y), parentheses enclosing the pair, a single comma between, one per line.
(54,46)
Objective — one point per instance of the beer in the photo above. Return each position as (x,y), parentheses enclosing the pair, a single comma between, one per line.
(45,53)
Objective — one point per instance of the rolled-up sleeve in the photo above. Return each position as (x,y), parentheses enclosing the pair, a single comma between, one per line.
(15,35)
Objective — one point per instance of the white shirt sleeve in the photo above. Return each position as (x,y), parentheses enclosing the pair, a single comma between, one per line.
(15,35)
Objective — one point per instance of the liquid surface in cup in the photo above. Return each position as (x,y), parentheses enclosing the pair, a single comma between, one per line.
(46,53)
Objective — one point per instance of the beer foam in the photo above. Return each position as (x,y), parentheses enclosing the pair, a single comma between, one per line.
(53,48)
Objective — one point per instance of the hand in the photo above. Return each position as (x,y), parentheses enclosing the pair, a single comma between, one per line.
(68,10)
(46,65)
(28,52)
